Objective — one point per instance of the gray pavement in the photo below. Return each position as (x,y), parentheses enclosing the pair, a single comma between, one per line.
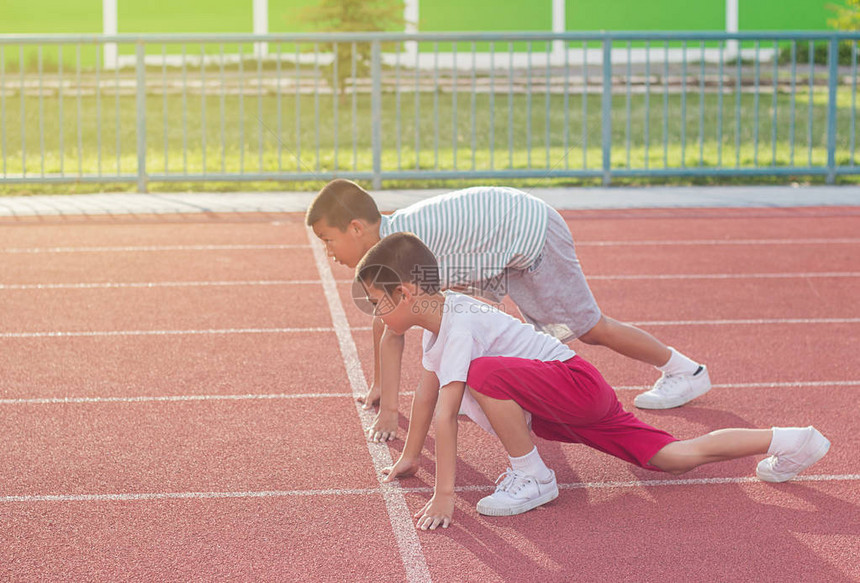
(560,198)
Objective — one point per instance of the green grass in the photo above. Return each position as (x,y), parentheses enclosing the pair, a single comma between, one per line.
(226,134)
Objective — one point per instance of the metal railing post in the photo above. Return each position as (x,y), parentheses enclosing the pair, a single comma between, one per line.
(141,116)
(376,112)
(832,82)
(606,110)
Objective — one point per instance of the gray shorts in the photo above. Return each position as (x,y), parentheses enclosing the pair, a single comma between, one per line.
(552,293)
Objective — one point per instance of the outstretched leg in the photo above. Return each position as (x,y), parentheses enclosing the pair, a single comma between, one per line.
(724,444)
(791,450)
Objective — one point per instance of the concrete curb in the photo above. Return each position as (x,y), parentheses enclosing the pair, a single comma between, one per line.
(560,198)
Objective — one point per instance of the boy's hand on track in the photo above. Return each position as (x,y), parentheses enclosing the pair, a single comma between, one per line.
(384,427)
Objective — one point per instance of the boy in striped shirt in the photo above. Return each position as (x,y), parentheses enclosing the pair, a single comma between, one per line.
(493,241)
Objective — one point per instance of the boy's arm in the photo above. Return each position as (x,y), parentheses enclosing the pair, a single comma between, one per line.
(423,405)
(384,426)
(371,398)
(440,509)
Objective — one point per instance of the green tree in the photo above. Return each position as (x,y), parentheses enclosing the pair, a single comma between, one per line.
(847,15)
(353,16)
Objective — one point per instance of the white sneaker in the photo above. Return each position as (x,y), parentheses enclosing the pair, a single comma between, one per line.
(675,390)
(782,467)
(516,493)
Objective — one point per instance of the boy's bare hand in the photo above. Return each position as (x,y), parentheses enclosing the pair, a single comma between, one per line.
(371,398)
(437,512)
(403,468)
(384,427)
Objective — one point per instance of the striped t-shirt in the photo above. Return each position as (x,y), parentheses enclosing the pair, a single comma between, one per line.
(475,233)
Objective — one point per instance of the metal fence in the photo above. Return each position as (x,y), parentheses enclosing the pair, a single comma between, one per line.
(192,108)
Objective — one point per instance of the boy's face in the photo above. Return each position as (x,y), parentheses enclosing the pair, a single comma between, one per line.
(346,247)
(393,309)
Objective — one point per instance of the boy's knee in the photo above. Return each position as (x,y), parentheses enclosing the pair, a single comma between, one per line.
(670,466)
(673,460)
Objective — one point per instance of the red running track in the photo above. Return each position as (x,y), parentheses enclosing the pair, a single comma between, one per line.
(176,404)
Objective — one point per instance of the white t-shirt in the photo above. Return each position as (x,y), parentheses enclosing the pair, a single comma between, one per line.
(471,329)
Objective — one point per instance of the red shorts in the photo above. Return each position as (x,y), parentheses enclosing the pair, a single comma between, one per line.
(569,401)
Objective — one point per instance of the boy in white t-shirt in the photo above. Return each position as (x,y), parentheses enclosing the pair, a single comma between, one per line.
(518,380)
(493,241)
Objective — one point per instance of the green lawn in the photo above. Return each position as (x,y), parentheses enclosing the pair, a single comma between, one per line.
(263,135)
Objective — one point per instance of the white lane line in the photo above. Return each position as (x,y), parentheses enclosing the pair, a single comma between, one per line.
(146,248)
(170,398)
(664,243)
(288,396)
(184,495)
(687,242)
(157,284)
(760,321)
(671,276)
(88,334)
(85,333)
(143,497)
(775,385)
(395,502)
(286,282)
(657,483)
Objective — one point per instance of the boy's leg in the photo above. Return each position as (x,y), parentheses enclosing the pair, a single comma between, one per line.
(509,422)
(528,483)
(724,444)
(627,340)
(683,379)
(384,426)
(554,296)
(791,450)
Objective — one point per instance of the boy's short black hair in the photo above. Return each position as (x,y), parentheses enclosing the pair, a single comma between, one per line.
(341,201)
(399,257)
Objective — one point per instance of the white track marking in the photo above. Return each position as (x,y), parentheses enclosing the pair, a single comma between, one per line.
(286,282)
(639,243)
(143,497)
(147,248)
(288,396)
(709,242)
(776,385)
(395,502)
(157,284)
(657,483)
(90,333)
(673,276)
(170,398)
(759,321)
(185,495)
